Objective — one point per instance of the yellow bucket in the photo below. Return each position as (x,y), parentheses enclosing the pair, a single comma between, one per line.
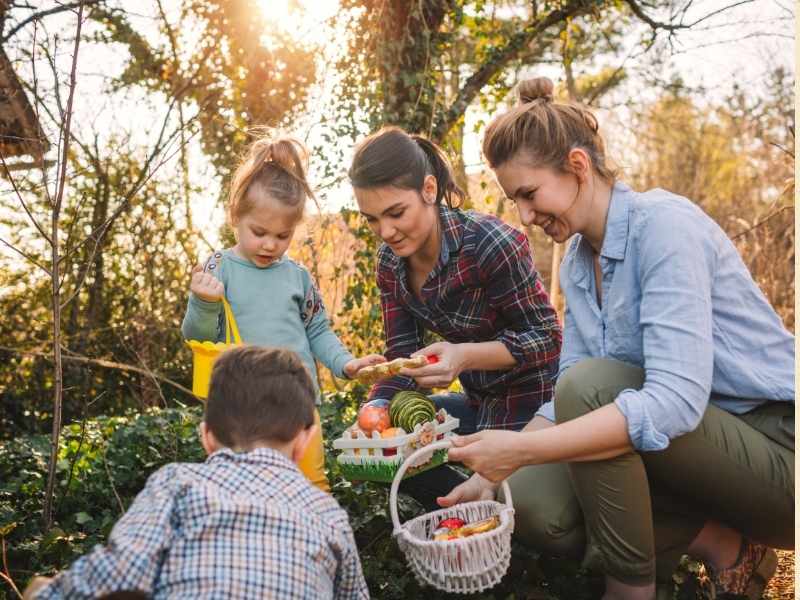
(205,353)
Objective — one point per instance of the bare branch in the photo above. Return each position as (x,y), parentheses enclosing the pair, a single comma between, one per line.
(99,232)
(5,574)
(22,201)
(671,27)
(107,364)
(46,13)
(26,256)
(500,57)
(47,509)
(111,482)
(761,222)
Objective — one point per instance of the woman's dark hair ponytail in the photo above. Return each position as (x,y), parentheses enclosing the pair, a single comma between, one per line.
(392,157)
(446,187)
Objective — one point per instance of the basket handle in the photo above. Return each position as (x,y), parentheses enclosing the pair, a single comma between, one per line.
(398,477)
(230,324)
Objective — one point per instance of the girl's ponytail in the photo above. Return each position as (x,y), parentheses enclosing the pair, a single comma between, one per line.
(274,169)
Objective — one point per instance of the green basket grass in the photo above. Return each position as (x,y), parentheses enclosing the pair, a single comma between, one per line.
(385,472)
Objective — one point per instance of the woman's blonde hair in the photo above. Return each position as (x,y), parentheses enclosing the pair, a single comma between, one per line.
(545,131)
(270,168)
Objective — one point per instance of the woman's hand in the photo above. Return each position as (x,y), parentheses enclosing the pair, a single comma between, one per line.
(205,286)
(451,361)
(474,488)
(494,453)
(354,366)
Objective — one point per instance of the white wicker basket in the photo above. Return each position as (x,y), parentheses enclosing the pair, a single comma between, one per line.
(465,565)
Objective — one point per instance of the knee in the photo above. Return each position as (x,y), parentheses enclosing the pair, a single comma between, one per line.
(550,525)
(575,393)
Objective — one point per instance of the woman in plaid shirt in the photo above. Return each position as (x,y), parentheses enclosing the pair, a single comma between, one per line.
(465,276)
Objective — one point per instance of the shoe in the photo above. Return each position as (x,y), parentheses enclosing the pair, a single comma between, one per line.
(749,575)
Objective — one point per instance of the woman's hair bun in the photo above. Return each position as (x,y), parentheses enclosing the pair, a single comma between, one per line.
(535,89)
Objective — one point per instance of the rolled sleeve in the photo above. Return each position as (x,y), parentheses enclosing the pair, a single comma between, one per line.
(533,334)
(677,262)
(548,411)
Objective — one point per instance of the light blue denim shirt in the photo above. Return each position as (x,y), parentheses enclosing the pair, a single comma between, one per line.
(679,302)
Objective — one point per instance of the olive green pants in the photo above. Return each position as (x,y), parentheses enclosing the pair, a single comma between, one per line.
(634,516)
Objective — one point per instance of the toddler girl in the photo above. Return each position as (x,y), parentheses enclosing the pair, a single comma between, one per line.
(274,300)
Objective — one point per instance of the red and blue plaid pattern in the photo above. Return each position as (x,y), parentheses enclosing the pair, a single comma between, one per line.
(245,525)
(484,288)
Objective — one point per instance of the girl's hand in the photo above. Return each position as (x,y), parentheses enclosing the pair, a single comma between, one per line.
(448,366)
(205,286)
(474,488)
(354,366)
(494,453)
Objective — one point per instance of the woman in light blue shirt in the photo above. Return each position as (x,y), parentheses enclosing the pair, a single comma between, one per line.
(672,428)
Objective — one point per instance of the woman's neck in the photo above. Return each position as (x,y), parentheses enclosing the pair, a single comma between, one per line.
(424,259)
(597,216)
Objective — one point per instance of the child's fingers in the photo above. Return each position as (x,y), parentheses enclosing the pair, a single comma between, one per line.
(198,268)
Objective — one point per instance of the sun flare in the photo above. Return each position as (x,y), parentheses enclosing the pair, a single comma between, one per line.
(298,17)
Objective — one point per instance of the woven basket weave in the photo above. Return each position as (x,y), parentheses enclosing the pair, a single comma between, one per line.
(465,565)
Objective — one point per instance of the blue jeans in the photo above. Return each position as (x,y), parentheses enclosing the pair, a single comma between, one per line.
(456,405)
(428,485)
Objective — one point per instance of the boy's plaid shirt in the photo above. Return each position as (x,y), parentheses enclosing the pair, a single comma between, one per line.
(483,288)
(245,525)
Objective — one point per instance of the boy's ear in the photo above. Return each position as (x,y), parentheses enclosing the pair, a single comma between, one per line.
(207,439)
(301,442)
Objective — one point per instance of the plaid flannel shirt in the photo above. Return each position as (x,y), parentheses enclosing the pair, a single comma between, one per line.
(245,525)
(483,288)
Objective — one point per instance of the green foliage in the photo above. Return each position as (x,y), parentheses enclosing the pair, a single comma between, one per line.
(104,462)
(224,68)
(102,465)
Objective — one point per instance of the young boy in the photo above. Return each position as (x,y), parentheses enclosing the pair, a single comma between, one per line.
(245,523)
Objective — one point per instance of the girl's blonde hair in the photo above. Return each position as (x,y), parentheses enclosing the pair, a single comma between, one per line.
(545,131)
(275,169)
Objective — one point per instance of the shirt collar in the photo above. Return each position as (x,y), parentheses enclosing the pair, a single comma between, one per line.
(258,456)
(616,239)
(452,239)
(452,232)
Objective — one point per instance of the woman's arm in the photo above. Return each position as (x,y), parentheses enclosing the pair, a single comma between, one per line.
(675,256)
(533,334)
(496,454)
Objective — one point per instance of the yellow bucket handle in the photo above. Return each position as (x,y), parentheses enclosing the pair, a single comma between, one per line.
(230,324)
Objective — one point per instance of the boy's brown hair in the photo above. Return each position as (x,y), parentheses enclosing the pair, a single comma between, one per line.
(259,394)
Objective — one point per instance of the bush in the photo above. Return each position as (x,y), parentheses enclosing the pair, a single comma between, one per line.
(104,462)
